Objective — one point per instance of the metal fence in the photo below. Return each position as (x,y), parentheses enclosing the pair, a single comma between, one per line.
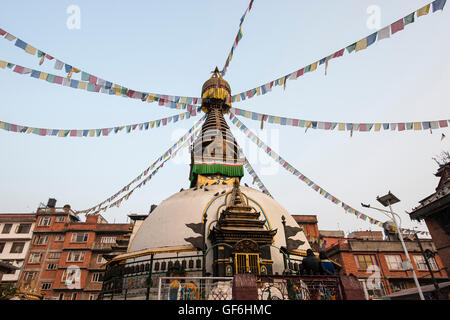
(299,288)
(195,288)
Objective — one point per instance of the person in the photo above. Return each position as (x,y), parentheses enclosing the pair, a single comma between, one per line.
(327,265)
(311,264)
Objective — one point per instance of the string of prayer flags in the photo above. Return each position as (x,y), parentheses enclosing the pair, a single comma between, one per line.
(356,46)
(286,165)
(237,39)
(96,82)
(170,152)
(173,102)
(62,133)
(143,183)
(352,127)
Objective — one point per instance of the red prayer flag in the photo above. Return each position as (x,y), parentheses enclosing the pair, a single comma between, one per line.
(73,133)
(295,122)
(42,132)
(18,69)
(300,72)
(401,126)
(92,79)
(49,57)
(397,26)
(2,32)
(129,92)
(443,123)
(339,53)
(59,80)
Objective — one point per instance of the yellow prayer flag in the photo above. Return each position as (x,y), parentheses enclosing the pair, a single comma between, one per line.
(277,120)
(183,100)
(361,44)
(150,98)
(121,128)
(314,66)
(2,125)
(377,126)
(423,11)
(3,64)
(91,133)
(82,85)
(30,49)
(307,124)
(30,130)
(76,70)
(43,76)
(341,127)
(60,133)
(258,91)
(281,81)
(248,114)
(182,116)
(417,126)
(238,98)
(152,124)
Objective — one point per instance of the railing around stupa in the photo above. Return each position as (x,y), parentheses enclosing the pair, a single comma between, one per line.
(140,279)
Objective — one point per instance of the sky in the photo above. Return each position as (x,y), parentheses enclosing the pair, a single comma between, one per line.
(171,47)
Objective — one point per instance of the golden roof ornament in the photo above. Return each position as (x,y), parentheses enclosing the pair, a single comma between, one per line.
(216,88)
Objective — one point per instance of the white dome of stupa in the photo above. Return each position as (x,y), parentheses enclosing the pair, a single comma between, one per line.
(166,224)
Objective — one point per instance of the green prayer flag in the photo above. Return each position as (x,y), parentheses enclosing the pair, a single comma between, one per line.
(128,128)
(90,87)
(99,131)
(409,19)
(51,78)
(10,65)
(409,125)
(308,69)
(158,122)
(40,54)
(124,90)
(351,48)
(84,76)
(66,133)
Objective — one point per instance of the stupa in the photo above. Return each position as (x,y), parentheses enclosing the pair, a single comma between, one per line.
(217,227)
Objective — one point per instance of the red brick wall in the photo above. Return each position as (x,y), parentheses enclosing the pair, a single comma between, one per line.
(441,241)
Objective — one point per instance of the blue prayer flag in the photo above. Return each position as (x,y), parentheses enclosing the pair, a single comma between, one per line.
(322,61)
(74,83)
(385,126)
(372,38)
(67,67)
(438,5)
(21,44)
(35,74)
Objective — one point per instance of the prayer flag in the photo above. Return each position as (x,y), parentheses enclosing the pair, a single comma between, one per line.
(371,39)
(351,47)
(31,50)
(384,33)
(21,44)
(397,26)
(423,11)
(409,19)
(361,44)
(438,5)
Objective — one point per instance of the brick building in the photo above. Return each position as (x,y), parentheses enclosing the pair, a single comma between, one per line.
(331,237)
(65,259)
(435,210)
(310,229)
(16,230)
(371,259)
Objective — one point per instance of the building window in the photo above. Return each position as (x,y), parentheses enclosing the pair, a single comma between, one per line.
(2,245)
(364,261)
(51,266)
(92,297)
(373,291)
(394,261)
(24,228)
(60,219)
(59,237)
(75,256)
(108,240)
(35,258)
(40,240)
(45,221)
(97,277)
(7,228)
(54,255)
(46,286)
(74,296)
(79,237)
(100,259)
(29,276)
(422,265)
(17,247)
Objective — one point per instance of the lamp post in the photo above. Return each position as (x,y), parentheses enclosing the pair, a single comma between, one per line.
(387,201)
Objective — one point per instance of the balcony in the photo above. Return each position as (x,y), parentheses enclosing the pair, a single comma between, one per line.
(98,246)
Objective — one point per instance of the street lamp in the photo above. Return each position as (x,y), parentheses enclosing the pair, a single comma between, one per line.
(388,200)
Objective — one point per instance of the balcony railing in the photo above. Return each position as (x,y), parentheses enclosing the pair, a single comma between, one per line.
(102,246)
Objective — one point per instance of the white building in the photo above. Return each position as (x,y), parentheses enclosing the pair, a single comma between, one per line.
(16,231)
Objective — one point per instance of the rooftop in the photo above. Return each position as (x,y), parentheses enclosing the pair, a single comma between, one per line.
(305,218)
